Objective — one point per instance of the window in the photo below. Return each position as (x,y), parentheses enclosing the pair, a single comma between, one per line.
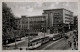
(67,21)
(68,15)
(26,21)
(19,26)
(56,17)
(56,14)
(57,21)
(68,18)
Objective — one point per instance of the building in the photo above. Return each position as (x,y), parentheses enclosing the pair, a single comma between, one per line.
(32,24)
(58,20)
(75,22)
(51,21)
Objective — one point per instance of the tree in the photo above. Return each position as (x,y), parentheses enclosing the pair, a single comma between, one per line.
(8,23)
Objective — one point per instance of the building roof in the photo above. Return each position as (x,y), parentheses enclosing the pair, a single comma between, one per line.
(36,16)
(17,18)
(57,9)
(33,16)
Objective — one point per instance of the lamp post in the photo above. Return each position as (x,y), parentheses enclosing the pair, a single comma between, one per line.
(44,31)
(15,38)
(63,30)
(28,39)
(69,26)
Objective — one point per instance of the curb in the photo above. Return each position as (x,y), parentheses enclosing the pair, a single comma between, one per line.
(12,44)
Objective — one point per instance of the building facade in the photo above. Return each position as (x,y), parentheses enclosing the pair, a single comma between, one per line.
(75,22)
(51,21)
(31,24)
(58,20)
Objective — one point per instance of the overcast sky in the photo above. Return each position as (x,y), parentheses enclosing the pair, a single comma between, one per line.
(36,8)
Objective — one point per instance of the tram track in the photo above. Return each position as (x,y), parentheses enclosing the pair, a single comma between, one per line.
(44,46)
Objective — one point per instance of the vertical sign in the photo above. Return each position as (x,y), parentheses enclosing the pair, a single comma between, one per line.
(28,23)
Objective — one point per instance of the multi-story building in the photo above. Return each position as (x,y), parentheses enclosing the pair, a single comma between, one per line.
(32,24)
(51,21)
(58,19)
(75,22)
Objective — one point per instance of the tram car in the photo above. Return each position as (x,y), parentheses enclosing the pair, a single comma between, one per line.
(45,39)
(56,37)
(37,42)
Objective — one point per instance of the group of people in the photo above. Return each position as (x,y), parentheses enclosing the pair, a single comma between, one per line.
(73,40)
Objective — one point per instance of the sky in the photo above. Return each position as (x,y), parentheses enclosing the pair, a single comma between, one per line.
(36,8)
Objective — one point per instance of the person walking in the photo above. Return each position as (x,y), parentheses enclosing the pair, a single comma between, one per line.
(74,43)
(70,43)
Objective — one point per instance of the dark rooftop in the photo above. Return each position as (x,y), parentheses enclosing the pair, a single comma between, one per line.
(57,9)
(33,16)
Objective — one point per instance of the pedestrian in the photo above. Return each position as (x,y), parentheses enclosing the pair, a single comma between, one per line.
(70,44)
(66,37)
(77,46)
(74,44)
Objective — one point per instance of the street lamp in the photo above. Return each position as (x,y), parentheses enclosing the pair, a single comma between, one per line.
(69,25)
(15,38)
(28,39)
(63,29)
(44,31)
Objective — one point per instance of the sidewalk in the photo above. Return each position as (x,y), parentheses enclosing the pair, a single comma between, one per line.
(12,44)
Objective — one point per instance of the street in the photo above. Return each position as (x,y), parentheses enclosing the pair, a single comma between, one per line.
(55,45)
(60,44)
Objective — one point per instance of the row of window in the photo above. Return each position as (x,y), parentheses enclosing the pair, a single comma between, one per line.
(68,15)
(57,24)
(68,18)
(56,14)
(68,21)
(24,22)
(31,26)
(56,17)
(36,19)
(57,21)
(34,30)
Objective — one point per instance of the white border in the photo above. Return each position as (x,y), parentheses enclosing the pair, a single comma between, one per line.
(38,1)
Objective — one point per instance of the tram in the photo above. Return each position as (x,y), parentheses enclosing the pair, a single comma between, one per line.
(56,37)
(35,43)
